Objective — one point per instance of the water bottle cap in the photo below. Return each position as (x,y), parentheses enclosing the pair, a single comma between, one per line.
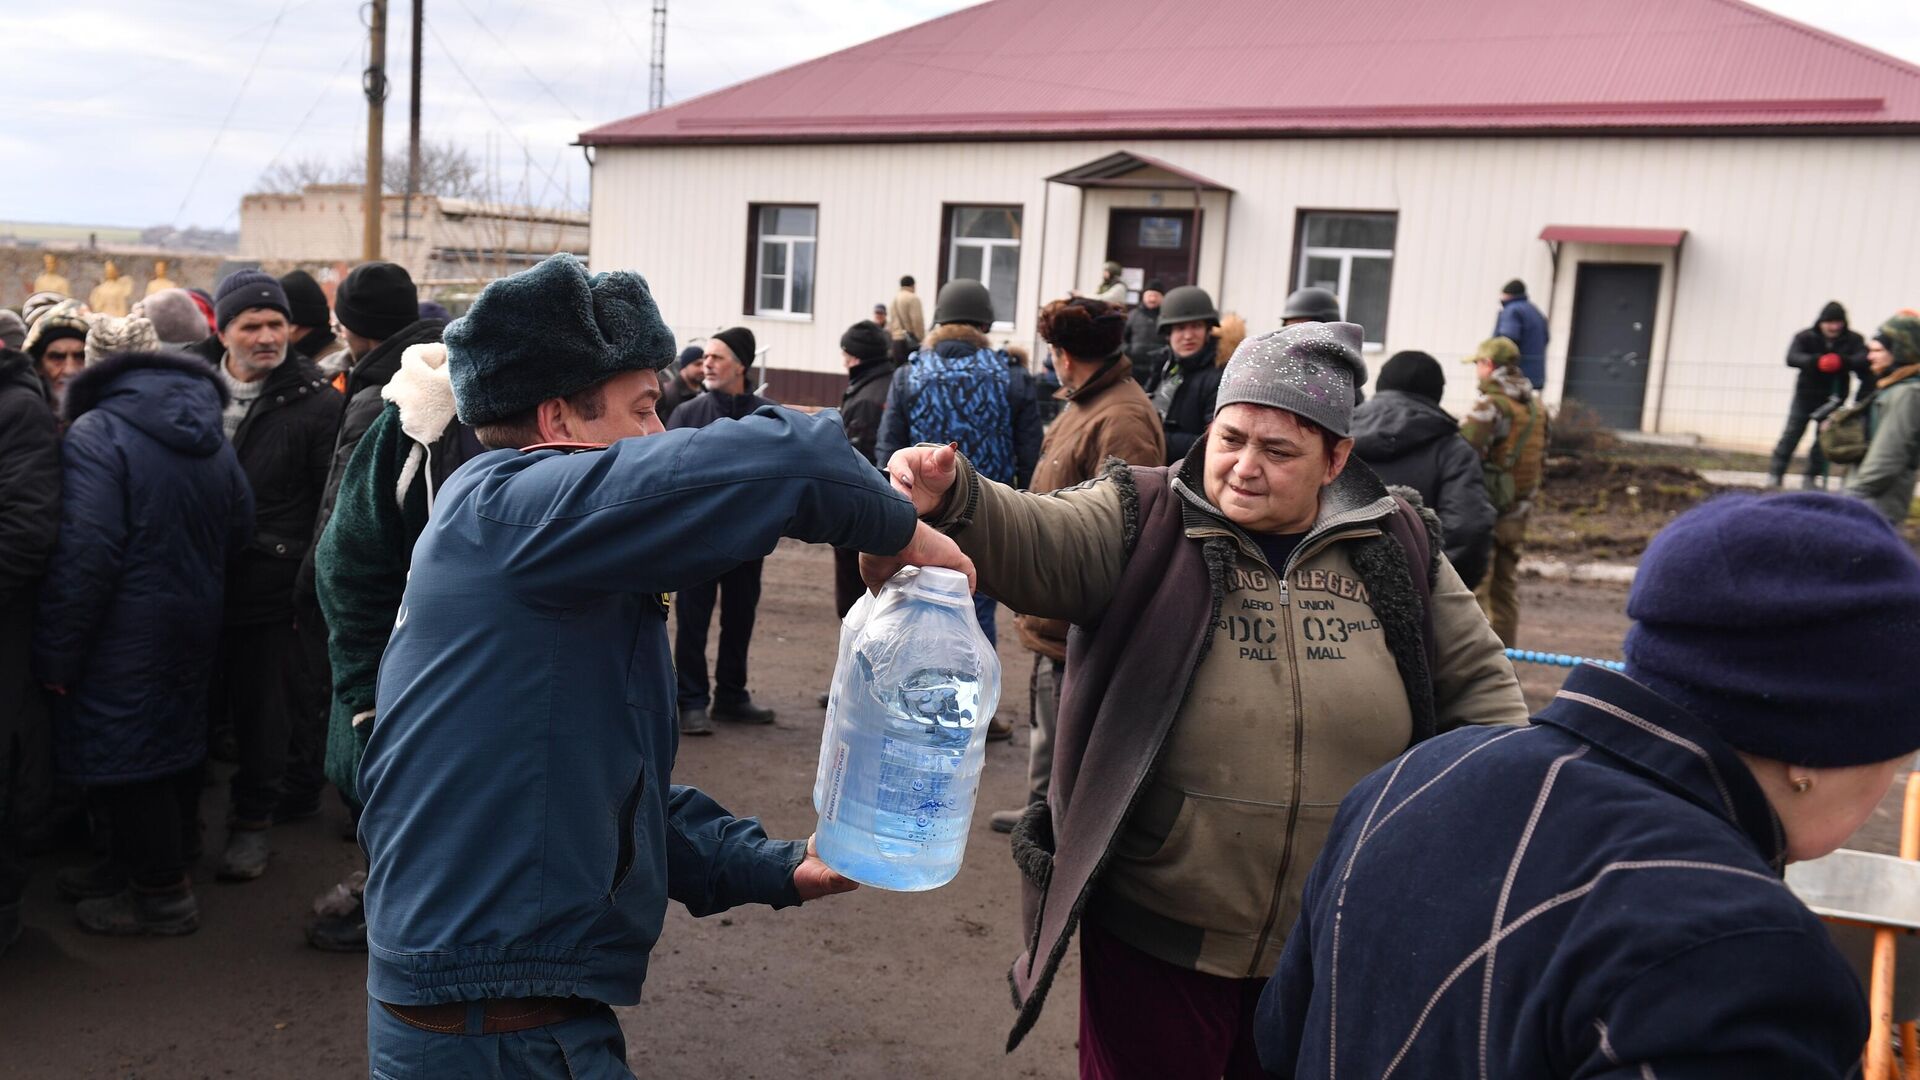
(939,581)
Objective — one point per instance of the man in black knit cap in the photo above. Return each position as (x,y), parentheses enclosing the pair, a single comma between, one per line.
(728,357)
(378,309)
(866,351)
(1406,438)
(310,324)
(281,418)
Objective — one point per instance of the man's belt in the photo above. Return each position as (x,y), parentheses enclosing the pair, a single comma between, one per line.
(498,1015)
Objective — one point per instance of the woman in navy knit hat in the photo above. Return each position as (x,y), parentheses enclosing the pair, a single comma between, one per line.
(1599,893)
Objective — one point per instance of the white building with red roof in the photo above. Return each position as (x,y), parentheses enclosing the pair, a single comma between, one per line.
(1682,184)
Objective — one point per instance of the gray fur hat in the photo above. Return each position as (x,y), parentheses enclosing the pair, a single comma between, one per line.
(1308,369)
(550,331)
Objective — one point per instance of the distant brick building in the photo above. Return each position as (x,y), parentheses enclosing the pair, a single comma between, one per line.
(450,246)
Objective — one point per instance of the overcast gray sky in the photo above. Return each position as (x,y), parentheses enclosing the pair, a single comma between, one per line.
(167,113)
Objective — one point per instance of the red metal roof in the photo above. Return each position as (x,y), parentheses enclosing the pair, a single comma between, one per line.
(1011,69)
(1612,234)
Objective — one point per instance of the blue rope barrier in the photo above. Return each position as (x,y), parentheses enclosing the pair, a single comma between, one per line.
(1529,656)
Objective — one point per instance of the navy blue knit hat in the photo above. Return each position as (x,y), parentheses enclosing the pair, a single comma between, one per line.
(551,331)
(244,290)
(1787,624)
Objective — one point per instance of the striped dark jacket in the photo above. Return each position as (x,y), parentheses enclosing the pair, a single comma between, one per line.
(1597,894)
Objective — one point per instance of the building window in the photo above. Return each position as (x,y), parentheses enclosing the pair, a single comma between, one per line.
(1351,255)
(780,260)
(983,243)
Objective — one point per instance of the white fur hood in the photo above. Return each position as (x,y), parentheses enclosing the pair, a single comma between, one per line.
(424,391)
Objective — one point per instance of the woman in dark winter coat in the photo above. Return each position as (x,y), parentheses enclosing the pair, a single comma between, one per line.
(1407,439)
(152,502)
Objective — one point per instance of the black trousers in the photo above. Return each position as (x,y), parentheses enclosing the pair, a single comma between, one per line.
(155,824)
(1799,415)
(259,686)
(13,871)
(738,592)
(306,773)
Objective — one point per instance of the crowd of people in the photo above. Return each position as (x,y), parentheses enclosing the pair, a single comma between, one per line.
(1875,440)
(434,564)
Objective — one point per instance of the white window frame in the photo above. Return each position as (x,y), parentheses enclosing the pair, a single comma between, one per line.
(1346,257)
(986,246)
(789,241)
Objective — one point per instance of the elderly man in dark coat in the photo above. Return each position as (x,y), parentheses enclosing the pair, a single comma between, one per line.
(153,501)
(1598,894)
(282,419)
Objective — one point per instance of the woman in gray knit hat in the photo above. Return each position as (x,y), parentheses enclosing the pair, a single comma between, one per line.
(1260,625)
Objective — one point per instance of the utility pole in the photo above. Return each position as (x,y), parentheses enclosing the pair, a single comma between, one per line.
(413,123)
(657,92)
(374,82)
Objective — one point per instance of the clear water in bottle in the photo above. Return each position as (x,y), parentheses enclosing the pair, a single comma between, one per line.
(906,735)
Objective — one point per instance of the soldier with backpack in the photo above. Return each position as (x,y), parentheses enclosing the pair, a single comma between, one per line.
(957,388)
(1508,427)
(1892,424)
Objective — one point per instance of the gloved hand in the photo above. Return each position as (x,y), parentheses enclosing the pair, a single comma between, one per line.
(1830,364)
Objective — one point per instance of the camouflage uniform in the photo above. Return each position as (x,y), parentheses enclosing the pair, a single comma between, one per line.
(1491,426)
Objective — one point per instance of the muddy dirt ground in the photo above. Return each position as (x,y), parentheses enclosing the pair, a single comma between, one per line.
(1604,508)
(872,984)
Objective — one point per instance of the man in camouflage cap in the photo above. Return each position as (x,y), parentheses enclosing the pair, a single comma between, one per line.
(1508,427)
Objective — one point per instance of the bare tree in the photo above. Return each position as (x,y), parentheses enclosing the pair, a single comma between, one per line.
(292,177)
(445,169)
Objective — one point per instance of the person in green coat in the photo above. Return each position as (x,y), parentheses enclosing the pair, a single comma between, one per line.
(360,573)
(1885,477)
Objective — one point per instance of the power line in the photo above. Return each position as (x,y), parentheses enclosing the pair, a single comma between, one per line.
(538,81)
(526,150)
(239,95)
(311,109)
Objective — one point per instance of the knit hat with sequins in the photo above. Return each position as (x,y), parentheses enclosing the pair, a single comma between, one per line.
(1308,369)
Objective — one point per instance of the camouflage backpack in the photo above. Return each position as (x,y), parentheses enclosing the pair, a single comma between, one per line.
(963,399)
(1845,433)
(1499,475)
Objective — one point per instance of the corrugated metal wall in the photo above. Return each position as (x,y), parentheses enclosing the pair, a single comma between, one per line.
(1777,226)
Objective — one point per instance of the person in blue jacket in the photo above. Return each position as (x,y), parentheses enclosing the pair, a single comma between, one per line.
(1599,894)
(521,825)
(153,501)
(1523,324)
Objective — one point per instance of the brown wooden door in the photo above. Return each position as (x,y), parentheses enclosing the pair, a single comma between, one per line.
(1159,243)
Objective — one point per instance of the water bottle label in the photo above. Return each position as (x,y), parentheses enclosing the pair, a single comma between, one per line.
(836,778)
(914,784)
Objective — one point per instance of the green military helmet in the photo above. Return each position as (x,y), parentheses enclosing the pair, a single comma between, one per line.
(1113,269)
(1312,303)
(963,300)
(1188,303)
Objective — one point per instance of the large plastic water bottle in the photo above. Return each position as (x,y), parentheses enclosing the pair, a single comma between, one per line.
(906,733)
